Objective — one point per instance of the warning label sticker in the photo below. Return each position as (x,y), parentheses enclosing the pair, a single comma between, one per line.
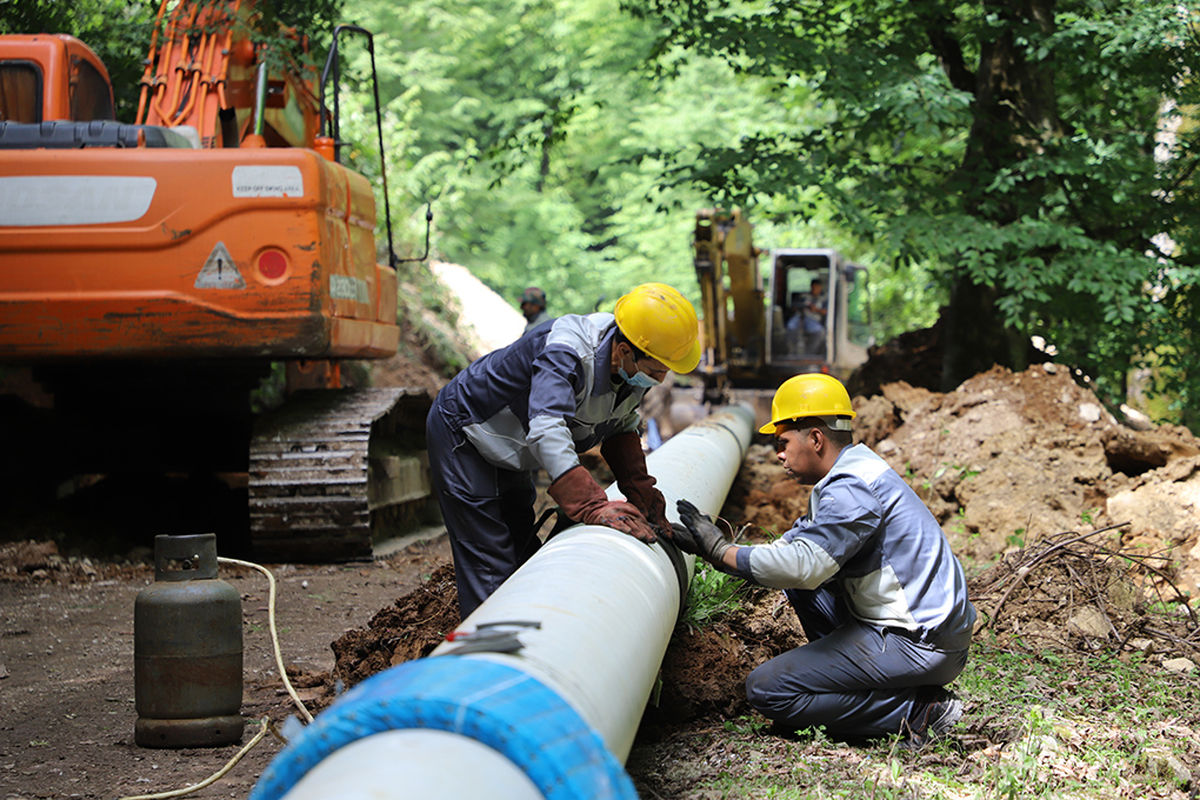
(219,271)
(253,180)
(345,287)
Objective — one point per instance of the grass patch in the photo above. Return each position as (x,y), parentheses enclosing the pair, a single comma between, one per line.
(712,595)
(1037,725)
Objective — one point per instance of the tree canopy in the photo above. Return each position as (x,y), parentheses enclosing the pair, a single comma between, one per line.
(1037,152)
(1028,165)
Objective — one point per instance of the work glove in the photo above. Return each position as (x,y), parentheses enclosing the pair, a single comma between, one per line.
(699,536)
(582,499)
(624,456)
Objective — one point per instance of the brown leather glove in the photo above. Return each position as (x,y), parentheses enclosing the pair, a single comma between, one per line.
(582,499)
(624,455)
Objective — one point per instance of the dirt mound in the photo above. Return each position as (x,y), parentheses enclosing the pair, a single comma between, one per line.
(1010,458)
(697,669)
(410,628)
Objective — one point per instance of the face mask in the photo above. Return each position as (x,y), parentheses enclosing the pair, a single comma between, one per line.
(639,380)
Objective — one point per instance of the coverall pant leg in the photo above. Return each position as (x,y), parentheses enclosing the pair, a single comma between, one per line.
(488,512)
(856,680)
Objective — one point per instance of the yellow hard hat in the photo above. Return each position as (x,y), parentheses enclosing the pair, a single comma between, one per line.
(813,394)
(660,321)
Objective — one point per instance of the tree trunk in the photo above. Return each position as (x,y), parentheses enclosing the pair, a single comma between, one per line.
(1015,112)
(975,338)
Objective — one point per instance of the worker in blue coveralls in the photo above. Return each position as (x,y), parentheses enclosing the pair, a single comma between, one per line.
(560,389)
(882,599)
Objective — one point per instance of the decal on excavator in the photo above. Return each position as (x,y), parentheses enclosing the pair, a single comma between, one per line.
(27,200)
(219,271)
(344,287)
(267,181)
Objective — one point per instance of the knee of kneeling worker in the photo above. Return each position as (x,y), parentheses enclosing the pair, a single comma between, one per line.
(762,692)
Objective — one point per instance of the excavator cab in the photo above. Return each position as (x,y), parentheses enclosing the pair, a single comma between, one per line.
(820,317)
(47,77)
(813,315)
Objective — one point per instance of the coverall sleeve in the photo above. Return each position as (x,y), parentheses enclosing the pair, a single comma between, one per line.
(556,381)
(814,550)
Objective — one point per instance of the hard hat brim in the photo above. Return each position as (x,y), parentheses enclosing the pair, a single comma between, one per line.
(682,366)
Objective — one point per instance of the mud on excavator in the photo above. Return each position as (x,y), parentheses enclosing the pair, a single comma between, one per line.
(813,315)
(152,273)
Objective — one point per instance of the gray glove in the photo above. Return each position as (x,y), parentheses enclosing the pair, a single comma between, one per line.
(698,535)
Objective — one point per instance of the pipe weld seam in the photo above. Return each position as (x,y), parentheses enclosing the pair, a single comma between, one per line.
(494,704)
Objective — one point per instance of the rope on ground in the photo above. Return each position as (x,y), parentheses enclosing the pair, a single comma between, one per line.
(274,635)
(216,776)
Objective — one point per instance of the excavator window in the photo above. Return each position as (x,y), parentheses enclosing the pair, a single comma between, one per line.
(91,96)
(807,311)
(20,91)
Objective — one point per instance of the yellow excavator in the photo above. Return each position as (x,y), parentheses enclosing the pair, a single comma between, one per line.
(813,315)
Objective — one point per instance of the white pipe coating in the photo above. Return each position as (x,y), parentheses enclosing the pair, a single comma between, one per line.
(606,604)
(381,766)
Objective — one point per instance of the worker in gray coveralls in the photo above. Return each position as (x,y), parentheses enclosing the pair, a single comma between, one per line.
(882,599)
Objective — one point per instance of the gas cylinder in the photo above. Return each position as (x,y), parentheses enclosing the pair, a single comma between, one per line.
(187,644)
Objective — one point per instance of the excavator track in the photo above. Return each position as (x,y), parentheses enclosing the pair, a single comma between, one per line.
(332,472)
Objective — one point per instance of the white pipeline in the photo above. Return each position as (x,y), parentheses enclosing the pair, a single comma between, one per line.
(592,612)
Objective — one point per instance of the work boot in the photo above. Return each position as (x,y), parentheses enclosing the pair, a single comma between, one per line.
(932,720)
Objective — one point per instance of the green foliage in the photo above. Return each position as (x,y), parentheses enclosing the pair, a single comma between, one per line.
(566,144)
(118,30)
(712,594)
(1042,182)
(534,130)
(746,724)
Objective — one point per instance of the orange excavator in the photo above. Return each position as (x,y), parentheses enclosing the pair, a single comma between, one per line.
(151,274)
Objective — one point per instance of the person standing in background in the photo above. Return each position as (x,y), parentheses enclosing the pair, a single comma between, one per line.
(533,306)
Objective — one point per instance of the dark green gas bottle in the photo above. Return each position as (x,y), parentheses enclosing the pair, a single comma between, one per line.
(187,645)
